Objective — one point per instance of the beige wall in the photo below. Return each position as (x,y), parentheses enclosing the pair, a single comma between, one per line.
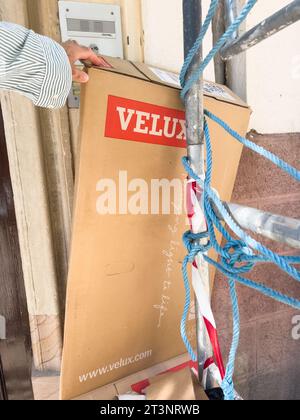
(274,75)
(273,67)
(163,37)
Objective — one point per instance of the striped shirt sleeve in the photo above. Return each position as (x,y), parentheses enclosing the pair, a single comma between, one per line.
(34,65)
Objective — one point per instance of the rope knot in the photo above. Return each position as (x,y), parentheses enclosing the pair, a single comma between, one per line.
(238,257)
(192,243)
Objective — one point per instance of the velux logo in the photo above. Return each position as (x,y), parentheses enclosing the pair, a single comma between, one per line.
(142,122)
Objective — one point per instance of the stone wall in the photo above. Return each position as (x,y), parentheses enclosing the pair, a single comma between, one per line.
(268,360)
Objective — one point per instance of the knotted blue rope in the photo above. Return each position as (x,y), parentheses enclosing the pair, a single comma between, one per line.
(237,256)
(255,148)
(187,84)
(227,385)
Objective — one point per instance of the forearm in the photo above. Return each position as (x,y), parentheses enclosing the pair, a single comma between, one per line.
(34,66)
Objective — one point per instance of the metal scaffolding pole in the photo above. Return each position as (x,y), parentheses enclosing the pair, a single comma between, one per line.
(283,229)
(218,29)
(275,23)
(277,228)
(235,69)
(192,12)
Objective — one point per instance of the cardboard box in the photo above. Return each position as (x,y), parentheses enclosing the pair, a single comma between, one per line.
(137,382)
(125,291)
(178,385)
(172,386)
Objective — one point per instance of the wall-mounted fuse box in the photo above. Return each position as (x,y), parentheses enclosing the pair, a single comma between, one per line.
(93,25)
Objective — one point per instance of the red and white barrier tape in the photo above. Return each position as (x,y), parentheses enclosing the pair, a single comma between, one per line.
(214,365)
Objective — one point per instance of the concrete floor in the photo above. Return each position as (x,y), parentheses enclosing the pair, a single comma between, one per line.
(46,388)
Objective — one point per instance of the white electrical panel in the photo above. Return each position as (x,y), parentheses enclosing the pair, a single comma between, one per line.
(93,25)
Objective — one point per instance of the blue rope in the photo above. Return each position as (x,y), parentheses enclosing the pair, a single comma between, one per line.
(189,239)
(227,385)
(237,256)
(186,85)
(191,55)
(255,148)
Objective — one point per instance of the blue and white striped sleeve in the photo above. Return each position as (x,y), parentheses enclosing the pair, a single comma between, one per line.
(34,65)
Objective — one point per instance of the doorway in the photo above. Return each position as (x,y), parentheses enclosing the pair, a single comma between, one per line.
(15,344)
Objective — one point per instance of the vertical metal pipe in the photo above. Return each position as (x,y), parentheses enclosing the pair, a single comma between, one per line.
(231,13)
(218,28)
(236,69)
(275,227)
(192,12)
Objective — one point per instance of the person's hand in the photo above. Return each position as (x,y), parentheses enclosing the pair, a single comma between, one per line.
(77,52)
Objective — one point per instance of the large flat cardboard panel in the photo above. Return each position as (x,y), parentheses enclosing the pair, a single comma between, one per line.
(106,393)
(138,381)
(125,292)
(172,386)
(124,386)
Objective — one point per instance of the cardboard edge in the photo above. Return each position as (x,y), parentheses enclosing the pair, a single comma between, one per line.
(142,70)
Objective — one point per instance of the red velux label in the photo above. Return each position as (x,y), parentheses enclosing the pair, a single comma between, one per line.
(146,123)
